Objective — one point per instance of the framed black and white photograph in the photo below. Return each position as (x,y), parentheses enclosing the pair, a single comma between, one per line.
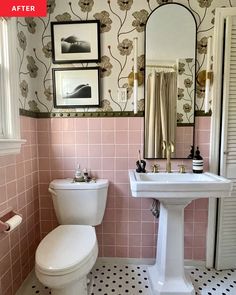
(76,87)
(75,41)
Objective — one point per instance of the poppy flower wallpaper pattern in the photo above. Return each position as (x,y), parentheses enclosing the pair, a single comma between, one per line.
(120,22)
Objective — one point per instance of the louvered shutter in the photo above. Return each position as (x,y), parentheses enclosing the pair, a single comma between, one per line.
(226,234)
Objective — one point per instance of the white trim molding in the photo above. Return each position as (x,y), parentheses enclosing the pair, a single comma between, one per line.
(218,41)
(10,146)
(10,141)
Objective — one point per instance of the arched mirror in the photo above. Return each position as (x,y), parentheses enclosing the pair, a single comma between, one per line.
(170,82)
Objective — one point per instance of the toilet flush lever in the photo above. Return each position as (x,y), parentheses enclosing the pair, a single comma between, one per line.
(52,191)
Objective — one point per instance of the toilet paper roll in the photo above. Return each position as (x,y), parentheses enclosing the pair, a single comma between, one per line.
(13,222)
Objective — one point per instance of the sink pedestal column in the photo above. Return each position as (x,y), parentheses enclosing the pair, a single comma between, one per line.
(167,275)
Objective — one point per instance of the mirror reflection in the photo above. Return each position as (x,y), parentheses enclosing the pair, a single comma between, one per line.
(169,82)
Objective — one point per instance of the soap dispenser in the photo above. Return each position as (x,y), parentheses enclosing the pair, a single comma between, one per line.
(197,162)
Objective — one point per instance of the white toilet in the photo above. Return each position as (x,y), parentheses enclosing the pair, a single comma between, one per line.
(67,254)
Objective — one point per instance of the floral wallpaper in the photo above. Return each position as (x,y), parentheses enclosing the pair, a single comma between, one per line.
(185,86)
(120,22)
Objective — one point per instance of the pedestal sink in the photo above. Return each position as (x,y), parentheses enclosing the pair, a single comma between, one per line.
(174,191)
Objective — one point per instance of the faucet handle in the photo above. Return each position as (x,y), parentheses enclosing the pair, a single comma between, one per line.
(164,145)
(172,146)
(155,168)
(182,168)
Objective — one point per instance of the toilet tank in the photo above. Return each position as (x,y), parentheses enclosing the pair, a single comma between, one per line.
(79,202)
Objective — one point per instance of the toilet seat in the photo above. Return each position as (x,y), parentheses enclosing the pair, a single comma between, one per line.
(65,249)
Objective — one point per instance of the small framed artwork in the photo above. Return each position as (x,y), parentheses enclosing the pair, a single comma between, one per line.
(75,41)
(76,87)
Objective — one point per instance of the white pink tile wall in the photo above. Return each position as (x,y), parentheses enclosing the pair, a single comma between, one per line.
(108,148)
(19,191)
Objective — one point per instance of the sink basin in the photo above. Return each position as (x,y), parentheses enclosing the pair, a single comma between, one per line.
(174,191)
(178,185)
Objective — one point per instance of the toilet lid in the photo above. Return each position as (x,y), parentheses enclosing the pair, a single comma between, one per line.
(65,248)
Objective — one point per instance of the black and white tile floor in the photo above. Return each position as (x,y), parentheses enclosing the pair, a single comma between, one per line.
(120,279)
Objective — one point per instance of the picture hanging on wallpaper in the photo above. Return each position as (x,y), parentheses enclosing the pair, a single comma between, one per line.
(76,87)
(75,41)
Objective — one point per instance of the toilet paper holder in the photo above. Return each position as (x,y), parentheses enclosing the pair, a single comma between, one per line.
(6,218)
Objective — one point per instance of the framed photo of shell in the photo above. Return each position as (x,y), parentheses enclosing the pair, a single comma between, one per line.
(76,87)
(75,41)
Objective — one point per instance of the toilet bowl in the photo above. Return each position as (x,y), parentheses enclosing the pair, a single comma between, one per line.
(67,254)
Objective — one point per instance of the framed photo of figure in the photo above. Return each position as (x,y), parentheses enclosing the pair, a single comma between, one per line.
(75,41)
(76,87)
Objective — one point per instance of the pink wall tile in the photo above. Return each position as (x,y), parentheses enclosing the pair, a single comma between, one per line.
(108,147)
(18,190)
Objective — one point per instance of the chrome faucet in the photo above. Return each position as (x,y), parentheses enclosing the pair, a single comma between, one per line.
(169,149)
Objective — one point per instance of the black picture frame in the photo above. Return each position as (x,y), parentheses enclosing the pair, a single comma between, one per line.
(76,87)
(75,42)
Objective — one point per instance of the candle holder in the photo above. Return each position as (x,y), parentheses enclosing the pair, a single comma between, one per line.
(138,76)
(203,76)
